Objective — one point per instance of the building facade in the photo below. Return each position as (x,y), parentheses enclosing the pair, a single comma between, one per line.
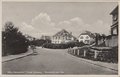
(112,39)
(86,37)
(45,37)
(114,26)
(62,36)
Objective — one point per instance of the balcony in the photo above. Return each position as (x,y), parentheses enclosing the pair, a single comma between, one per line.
(115,23)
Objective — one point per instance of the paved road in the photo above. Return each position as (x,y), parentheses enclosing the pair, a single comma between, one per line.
(49,61)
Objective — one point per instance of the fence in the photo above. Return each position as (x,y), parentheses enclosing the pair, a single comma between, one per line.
(96,53)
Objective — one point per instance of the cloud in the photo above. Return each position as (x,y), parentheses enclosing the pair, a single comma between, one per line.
(29,29)
(24,27)
(42,18)
(43,25)
(101,27)
(63,25)
(77,25)
(42,21)
(40,25)
(77,20)
(74,25)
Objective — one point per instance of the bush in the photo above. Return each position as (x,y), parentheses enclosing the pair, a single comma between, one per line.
(39,42)
(55,46)
(109,56)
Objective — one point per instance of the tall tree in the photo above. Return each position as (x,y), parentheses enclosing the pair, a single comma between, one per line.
(14,41)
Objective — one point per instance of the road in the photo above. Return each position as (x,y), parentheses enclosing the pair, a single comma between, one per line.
(53,61)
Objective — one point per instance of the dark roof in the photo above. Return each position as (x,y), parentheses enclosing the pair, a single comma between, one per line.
(88,33)
(115,10)
(63,33)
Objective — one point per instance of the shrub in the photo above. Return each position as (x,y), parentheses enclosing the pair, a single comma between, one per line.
(107,55)
(39,42)
(55,46)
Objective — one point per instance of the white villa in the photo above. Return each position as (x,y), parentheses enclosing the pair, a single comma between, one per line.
(62,37)
(86,37)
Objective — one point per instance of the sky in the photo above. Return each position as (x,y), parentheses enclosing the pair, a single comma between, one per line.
(48,18)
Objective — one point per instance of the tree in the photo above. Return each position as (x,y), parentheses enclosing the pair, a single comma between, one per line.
(97,37)
(14,42)
(103,36)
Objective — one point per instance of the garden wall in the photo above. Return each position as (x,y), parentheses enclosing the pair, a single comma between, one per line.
(110,41)
(113,41)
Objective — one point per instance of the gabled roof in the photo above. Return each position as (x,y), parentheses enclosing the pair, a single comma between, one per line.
(61,33)
(114,10)
(64,33)
(87,33)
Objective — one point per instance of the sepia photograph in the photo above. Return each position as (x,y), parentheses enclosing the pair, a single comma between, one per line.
(60,38)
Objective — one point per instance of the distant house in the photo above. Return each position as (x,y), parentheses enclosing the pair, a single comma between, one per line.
(86,37)
(30,38)
(114,26)
(45,37)
(62,36)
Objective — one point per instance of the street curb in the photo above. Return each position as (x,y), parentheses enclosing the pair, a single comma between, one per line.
(17,57)
(82,59)
(100,65)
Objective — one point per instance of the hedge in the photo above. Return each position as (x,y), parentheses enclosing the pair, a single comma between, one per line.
(63,45)
(109,56)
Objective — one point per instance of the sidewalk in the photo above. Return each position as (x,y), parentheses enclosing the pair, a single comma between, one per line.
(112,66)
(12,57)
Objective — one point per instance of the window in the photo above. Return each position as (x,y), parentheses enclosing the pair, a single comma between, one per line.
(87,37)
(87,41)
(81,37)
